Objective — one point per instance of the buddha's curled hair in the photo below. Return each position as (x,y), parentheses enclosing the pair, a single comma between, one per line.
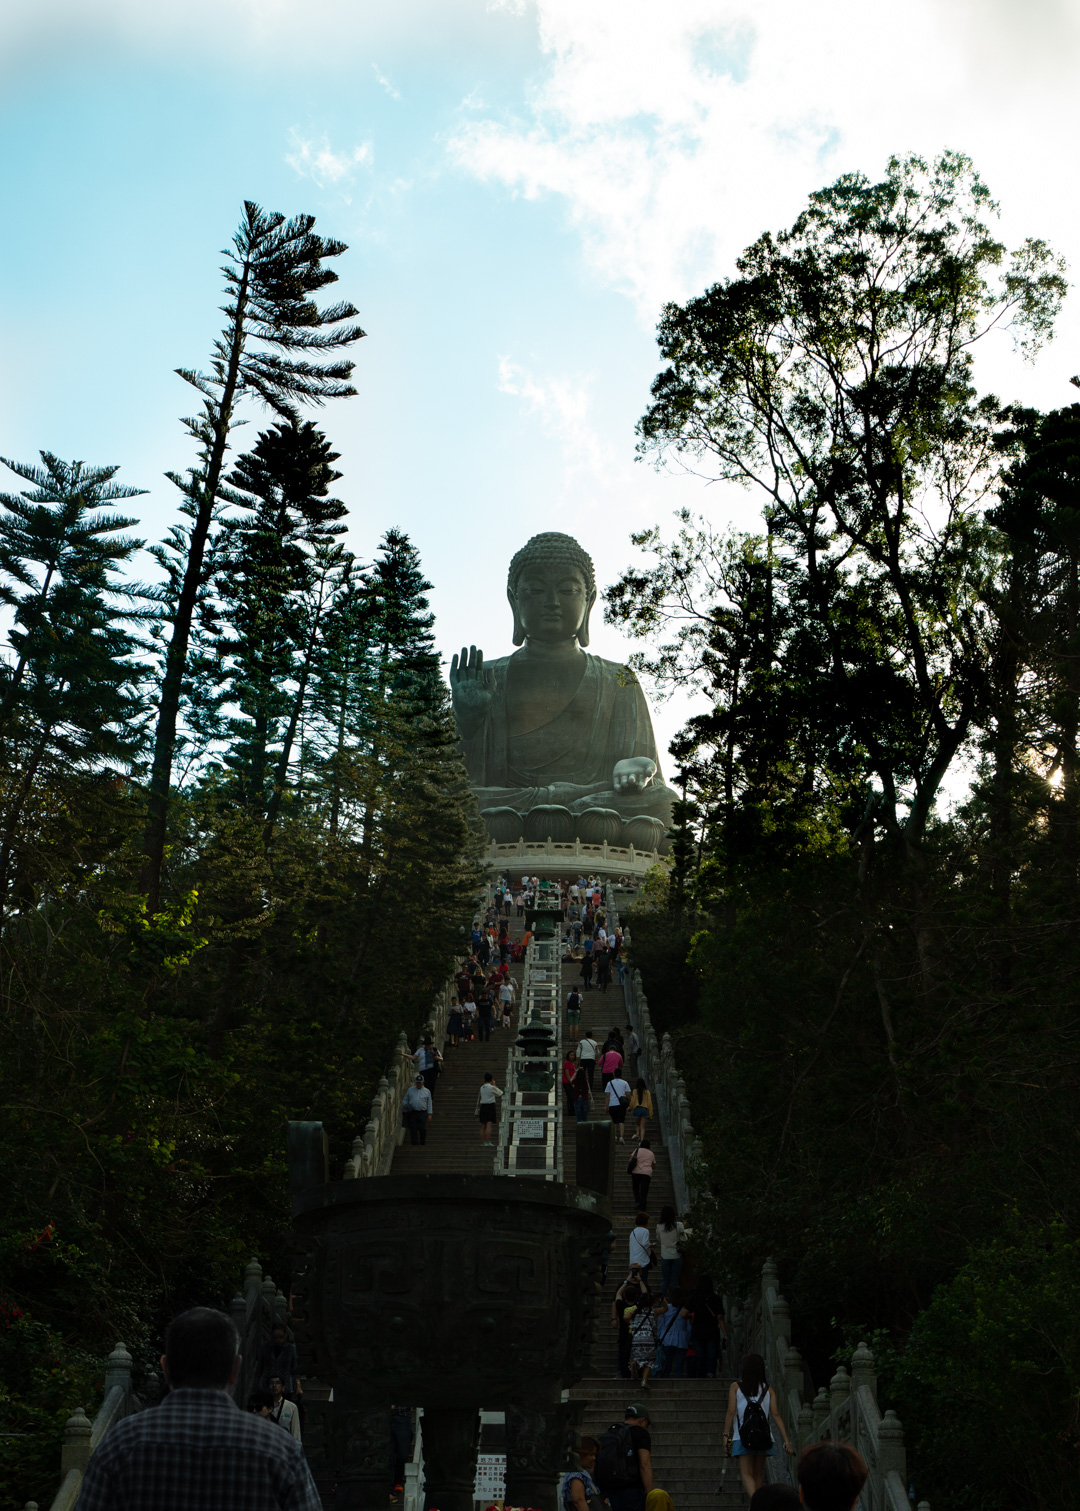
(552,548)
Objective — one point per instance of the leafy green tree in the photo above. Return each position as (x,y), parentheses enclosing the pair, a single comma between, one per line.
(274,329)
(835,377)
(989,1382)
(1039,617)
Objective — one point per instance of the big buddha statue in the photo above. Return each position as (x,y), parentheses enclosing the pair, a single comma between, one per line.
(558,743)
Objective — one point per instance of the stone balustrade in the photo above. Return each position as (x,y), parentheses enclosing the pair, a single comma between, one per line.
(656,1065)
(82,1436)
(848,1412)
(373,1150)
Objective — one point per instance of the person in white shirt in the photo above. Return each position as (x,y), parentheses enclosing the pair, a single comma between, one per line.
(487,1107)
(283,1411)
(669,1234)
(641,1244)
(506,1001)
(618,1097)
(586,1054)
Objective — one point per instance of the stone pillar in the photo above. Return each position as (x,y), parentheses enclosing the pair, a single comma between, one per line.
(821,1412)
(806,1425)
(770,1276)
(862,1370)
(118,1369)
(451,1436)
(794,1371)
(362,1443)
(75,1453)
(535,1445)
(839,1389)
(891,1453)
(309,1157)
(595,1149)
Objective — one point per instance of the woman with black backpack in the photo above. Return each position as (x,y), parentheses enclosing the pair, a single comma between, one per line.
(751,1406)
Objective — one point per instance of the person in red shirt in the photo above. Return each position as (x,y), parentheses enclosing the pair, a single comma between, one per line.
(569,1071)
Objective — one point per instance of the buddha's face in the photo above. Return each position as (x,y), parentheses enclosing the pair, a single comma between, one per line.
(551,601)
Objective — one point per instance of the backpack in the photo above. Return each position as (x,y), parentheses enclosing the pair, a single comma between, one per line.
(754,1432)
(617,1462)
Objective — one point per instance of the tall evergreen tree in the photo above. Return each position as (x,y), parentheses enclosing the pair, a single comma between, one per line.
(273,329)
(71,691)
(268,569)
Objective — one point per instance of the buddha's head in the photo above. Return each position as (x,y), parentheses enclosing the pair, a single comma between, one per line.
(551,588)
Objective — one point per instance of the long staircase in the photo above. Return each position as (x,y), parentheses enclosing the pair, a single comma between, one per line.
(687,1416)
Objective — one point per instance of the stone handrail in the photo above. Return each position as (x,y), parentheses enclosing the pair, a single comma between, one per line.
(847,1412)
(82,1436)
(373,1150)
(657,1067)
(255,1310)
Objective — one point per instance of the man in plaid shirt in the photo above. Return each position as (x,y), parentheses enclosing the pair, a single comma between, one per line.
(197,1451)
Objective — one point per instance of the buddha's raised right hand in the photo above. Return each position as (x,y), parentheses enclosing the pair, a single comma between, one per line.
(472,686)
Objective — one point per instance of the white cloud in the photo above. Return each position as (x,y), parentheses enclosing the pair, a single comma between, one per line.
(676,133)
(563,405)
(314,158)
(380,78)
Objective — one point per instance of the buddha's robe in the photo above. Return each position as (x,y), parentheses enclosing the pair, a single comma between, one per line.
(554,763)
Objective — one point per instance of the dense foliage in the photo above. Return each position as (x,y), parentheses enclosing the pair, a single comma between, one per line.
(877,1013)
(318,868)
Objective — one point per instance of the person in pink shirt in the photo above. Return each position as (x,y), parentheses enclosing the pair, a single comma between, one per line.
(640,1170)
(610,1065)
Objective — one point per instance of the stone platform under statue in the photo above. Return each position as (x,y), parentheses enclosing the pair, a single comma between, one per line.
(558,743)
(559,861)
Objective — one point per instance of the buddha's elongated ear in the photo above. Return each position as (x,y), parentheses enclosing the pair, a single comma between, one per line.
(583,630)
(519,628)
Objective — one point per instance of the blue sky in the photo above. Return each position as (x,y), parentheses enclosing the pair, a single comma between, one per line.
(521,185)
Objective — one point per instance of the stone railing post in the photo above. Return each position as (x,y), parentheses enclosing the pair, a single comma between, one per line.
(354,1165)
(891,1452)
(839,1390)
(770,1277)
(118,1369)
(862,1370)
(238,1312)
(794,1372)
(781,1320)
(252,1279)
(75,1454)
(371,1151)
(805,1429)
(821,1412)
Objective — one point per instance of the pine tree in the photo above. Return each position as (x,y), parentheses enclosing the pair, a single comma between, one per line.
(268,571)
(273,327)
(72,690)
